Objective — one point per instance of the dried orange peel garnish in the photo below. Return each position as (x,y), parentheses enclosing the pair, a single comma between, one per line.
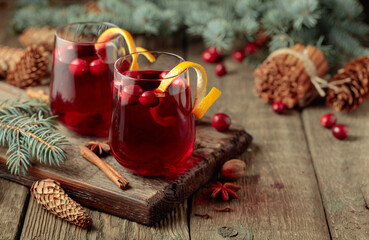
(202,101)
(111,33)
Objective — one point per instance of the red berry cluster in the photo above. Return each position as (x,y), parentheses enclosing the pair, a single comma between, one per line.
(339,131)
(211,55)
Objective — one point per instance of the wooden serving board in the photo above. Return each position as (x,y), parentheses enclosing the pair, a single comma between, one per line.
(149,199)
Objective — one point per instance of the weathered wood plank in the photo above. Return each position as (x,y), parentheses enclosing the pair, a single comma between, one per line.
(149,199)
(279,198)
(342,170)
(39,224)
(13,197)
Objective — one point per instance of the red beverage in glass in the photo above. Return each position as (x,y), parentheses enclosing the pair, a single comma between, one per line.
(81,79)
(152,133)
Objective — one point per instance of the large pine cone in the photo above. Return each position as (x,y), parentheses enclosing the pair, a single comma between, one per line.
(30,68)
(283,77)
(52,197)
(350,94)
(43,36)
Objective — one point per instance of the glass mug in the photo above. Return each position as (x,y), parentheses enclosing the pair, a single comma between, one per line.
(152,133)
(81,78)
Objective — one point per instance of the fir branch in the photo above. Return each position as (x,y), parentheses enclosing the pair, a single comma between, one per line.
(29,135)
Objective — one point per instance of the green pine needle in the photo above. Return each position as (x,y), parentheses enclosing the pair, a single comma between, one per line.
(29,132)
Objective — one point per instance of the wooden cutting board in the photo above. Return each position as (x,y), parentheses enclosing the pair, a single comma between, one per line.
(149,199)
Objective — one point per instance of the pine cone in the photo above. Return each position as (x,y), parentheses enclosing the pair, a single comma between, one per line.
(43,36)
(351,94)
(52,197)
(261,38)
(27,69)
(3,68)
(283,77)
(92,6)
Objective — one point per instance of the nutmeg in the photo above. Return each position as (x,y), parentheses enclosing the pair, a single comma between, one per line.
(233,170)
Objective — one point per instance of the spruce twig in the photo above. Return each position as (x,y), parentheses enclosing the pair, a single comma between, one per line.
(29,132)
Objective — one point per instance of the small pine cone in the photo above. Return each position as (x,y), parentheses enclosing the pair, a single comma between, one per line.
(92,6)
(261,38)
(11,56)
(3,68)
(52,197)
(350,94)
(43,36)
(30,68)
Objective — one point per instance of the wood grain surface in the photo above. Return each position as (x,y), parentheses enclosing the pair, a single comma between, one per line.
(296,169)
(149,199)
(342,169)
(279,198)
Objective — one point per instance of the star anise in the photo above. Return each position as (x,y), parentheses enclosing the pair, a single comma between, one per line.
(99,148)
(225,190)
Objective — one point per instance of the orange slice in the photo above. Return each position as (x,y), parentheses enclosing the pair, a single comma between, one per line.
(111,33)
(202,101)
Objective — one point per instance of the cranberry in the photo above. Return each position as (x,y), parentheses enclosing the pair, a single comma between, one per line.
(238,55)
(220,69)
(221,121)
(210,55)
(98,67)
(133,90)
(278,107)
(127,98)
(328,120)
(251,47)
(130,93)
(133,74)
(149,99)
(78,67)
(340,131)
(163,74)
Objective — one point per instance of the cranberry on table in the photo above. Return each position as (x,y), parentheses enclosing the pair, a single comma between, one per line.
(220,69)
(78,67)
(163,74)
(328,120)
(340,131)
(210,55)
(221,121)
(98,67)
(133,74)
(149,99)
(238,55)
(251,47)
(278,107)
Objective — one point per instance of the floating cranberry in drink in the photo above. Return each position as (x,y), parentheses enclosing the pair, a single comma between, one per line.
(81,79)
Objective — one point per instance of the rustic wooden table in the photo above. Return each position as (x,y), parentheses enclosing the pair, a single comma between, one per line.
(301,182)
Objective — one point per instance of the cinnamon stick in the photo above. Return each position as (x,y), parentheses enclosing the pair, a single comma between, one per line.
(108,170)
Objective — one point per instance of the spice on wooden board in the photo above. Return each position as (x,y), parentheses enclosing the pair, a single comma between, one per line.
(99,148)
(108,170)
(225,190)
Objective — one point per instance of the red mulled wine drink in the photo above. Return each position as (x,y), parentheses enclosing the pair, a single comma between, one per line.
(81,79)
(152,132)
